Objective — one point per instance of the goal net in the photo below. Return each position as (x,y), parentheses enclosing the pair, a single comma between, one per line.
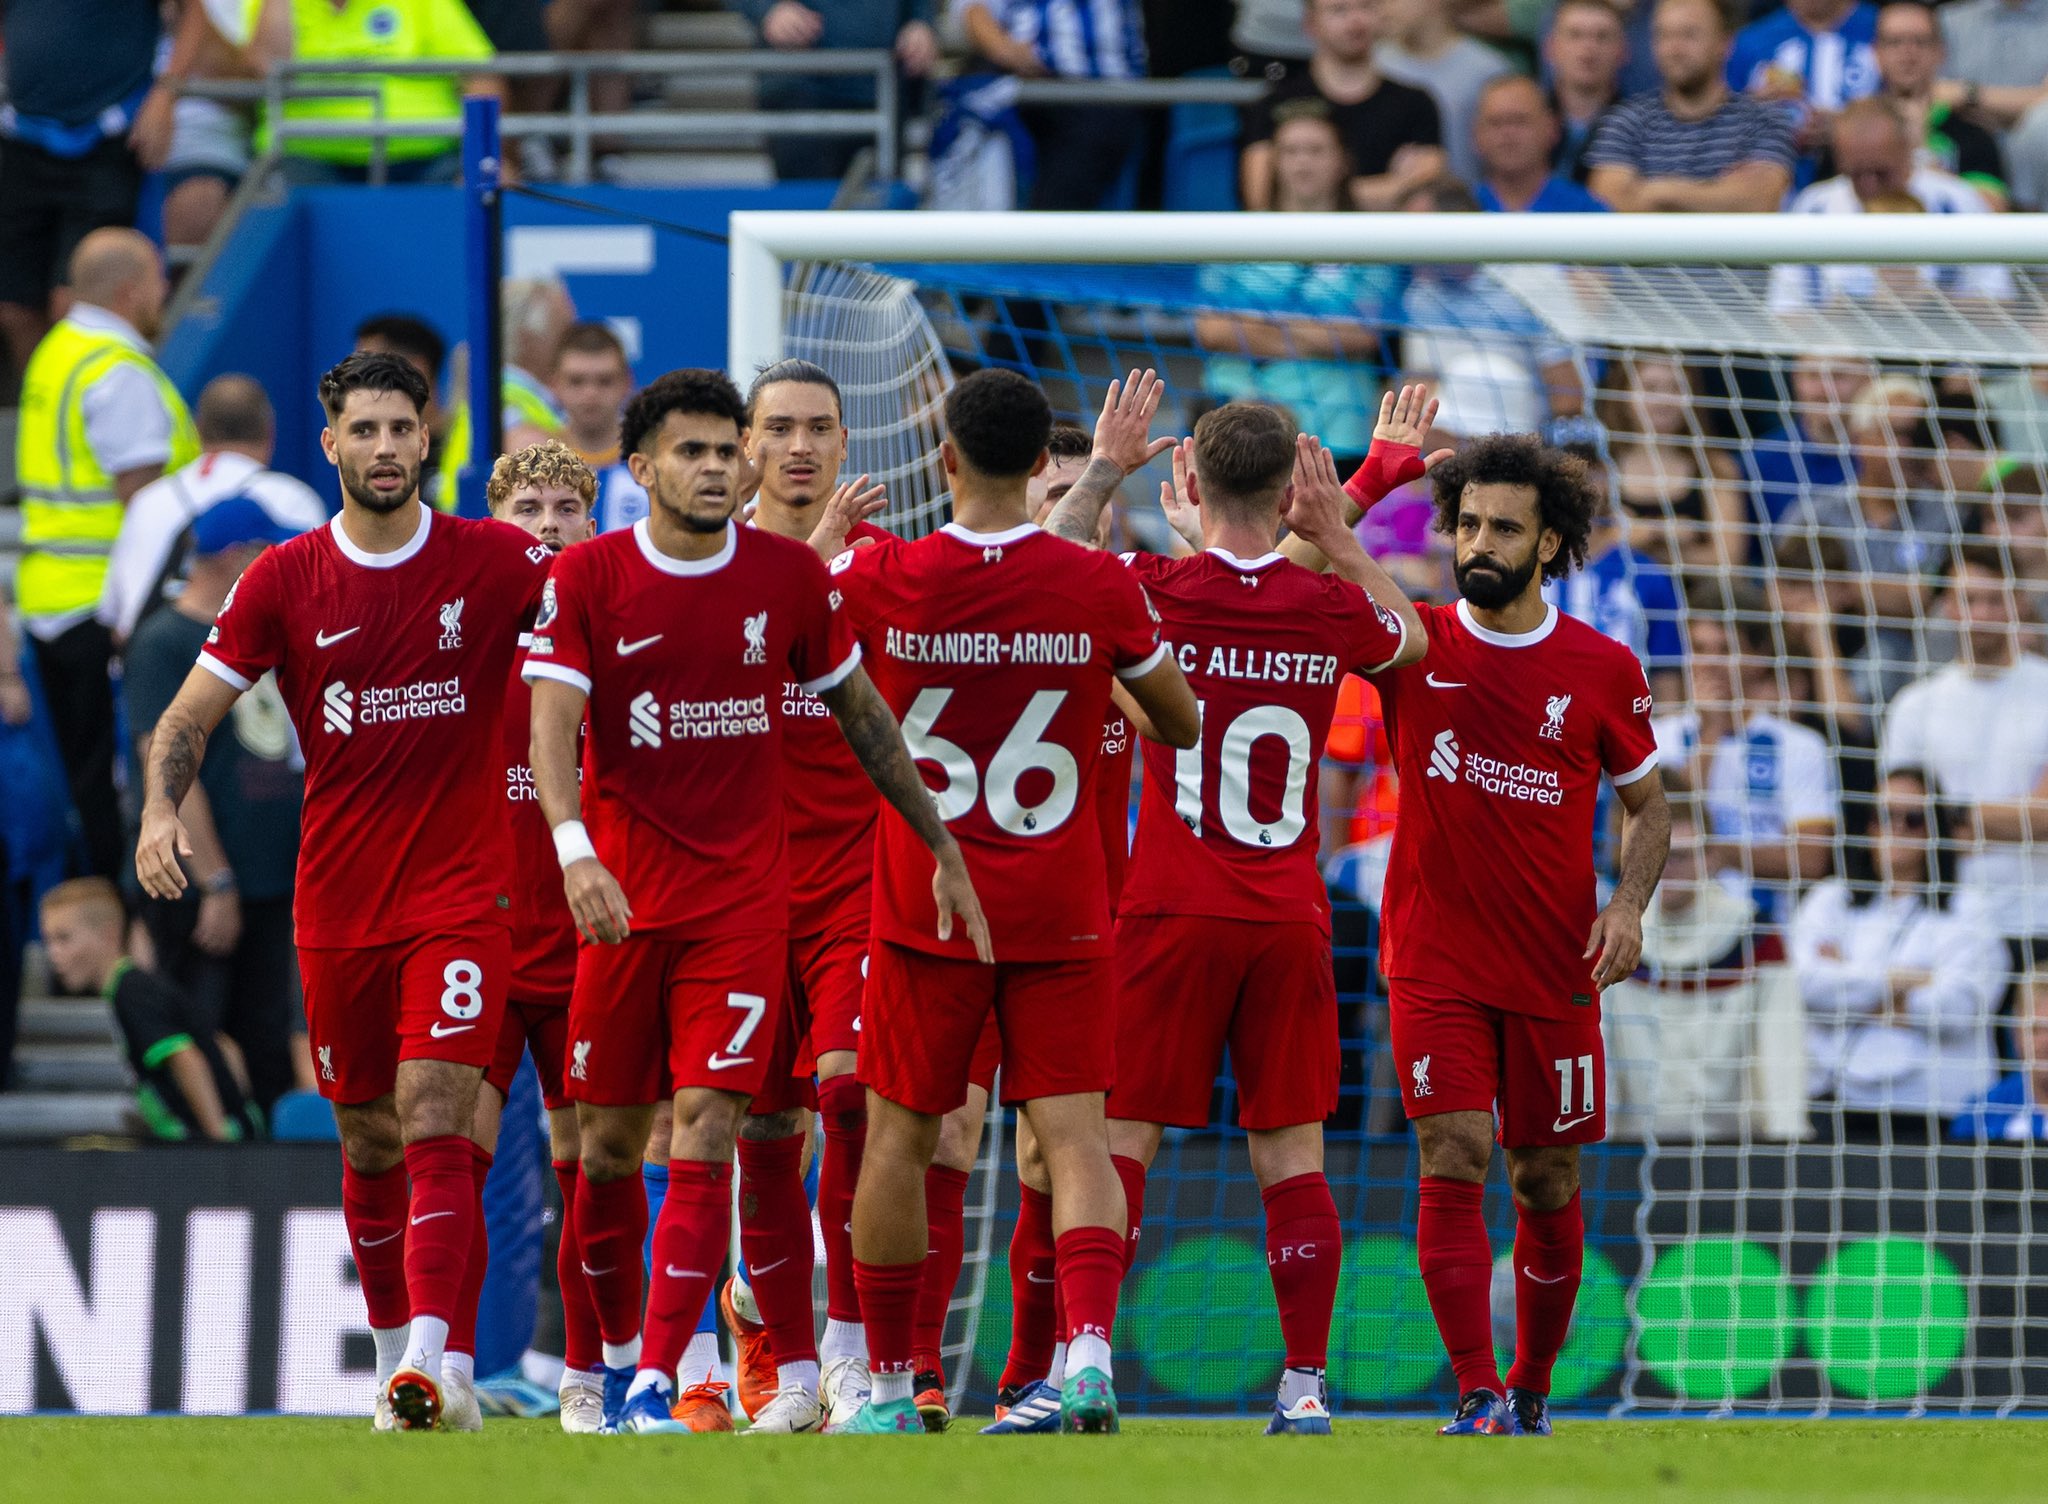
(1824,446)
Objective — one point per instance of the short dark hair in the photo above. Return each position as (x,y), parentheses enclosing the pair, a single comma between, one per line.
(691,390)
(234,409)
(1566,501)
(406,335)
(803,372)
(999,421)
(1244,452)
(1980,554)
(1944,839)
(590,338)
(1067,442)
(367,372)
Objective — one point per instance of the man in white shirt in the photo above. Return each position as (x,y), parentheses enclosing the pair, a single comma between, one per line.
(238,432)
(1980,726)
(1874,154)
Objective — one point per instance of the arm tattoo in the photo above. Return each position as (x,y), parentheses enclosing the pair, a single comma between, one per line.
(1080,511)
(175,751)
(870,729)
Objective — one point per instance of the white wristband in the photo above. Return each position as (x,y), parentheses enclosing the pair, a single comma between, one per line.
(572,843)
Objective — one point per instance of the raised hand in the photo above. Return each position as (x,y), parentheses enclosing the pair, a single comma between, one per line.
(1177,500)
(1318,505)
(1123,431)
(851,502)
(1407,419)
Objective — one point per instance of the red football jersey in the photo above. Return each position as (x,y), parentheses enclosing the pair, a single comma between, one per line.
(1500,742)
(832,807)
(393,667)
(996,651)
(1113,802)
(543,930)
(684,662)
(1228,828)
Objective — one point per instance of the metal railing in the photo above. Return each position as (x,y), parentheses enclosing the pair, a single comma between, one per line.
(1145,93)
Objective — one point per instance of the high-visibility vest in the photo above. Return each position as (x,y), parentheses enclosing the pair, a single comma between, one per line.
(70,512)
(523,400)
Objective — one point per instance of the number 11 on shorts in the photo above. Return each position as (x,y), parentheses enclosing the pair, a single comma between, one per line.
(1566,1069)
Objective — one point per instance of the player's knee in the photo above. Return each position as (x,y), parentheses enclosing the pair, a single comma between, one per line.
(369,1138)
(1543,1180)
(1455,1150)
(706,1125)
(765,1127)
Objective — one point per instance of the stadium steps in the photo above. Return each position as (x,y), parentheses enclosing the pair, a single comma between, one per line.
(737,157)
(69,1077)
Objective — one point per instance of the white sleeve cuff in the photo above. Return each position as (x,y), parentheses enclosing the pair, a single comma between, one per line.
(1622,780)
(1140,670)
(1399,647)
(560,673)
(225,674)
(837,677)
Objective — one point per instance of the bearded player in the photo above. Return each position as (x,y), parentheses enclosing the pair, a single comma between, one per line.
(392,631)
(546,491)
(678,636)
(1494,943)
(999,644)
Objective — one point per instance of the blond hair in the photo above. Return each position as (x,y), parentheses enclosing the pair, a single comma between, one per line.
(95,896)
(548,463)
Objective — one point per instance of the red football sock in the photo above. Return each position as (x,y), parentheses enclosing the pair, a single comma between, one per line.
(1550,1250)
(580,1342)
(1304,1255)
(945,1200)
(690,1242)
(888,1304)
(775,1238)
(611,1224)
(1132,1174)
(1457,1271)
(373,1207)
(843,1109)
(462,1330)
(1090,1267)
(1033,1309)
(443,1221)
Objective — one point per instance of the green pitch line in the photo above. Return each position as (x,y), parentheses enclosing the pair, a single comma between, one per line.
(59,1460)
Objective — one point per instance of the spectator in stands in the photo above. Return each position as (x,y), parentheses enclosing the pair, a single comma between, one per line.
(2016,1109)
(1900,986)
(209,149)
(1679,491)
(1910,54)
(1308,337)
(591,380)
(792,26)
(1768,782)
(187,1083)
(1422,47)
(1693,146)
(1979,726)
(237,436)
(2015,518)
(369,31)
(533,315)
(1809,58)
(1391,132)
(86,118)
(1811,449)
(1997,74)
(228,942)
(99,421)
(1874,152)
(1584,53)
(1621,591)
(1515,134)
(1082,151)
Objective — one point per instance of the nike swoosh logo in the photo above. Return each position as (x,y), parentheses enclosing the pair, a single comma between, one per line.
(1541,1280)
(1435,683)
(594,1273)
(727,1062)
(429,1216)
(1563,1123)
(442,1031)
(628,649)
(380,1242)
(764,1268)
(1036,1280)
(674,1273)
(327,640)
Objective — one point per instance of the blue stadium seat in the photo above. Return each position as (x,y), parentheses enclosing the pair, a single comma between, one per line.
(303,1117)
(1201,156)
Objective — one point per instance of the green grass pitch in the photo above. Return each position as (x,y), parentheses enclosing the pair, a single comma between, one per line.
(167,1461)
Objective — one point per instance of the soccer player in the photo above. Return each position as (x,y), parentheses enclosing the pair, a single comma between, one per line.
(1494,942)
(1223,936)
(678,636)
(998,644)
(546,491)
(392,631)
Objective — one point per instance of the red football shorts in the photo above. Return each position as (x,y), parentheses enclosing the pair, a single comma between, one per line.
(1187,985)
(923,1017)
(654,1014)
(542,1027)
(1546,1078)
(433,997)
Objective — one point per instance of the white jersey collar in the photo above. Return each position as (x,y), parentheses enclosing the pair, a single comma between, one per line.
(990,540)
(685,567)
(390,560)
(1273,557)
(1509,639)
